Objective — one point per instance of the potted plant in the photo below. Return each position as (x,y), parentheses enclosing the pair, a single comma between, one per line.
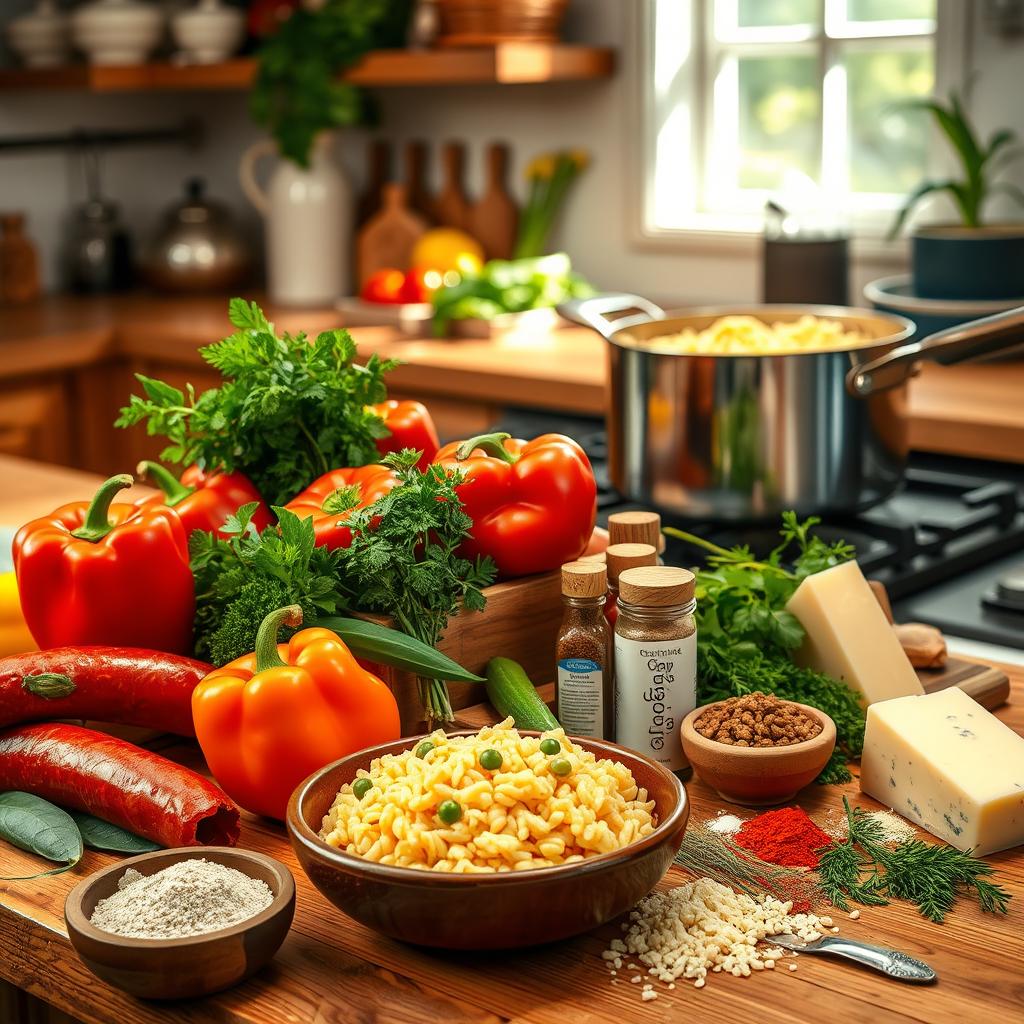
(971,259)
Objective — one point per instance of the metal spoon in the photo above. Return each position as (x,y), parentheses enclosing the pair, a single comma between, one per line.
(889,961)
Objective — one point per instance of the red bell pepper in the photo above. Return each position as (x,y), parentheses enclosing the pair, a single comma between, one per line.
(331,499)
(204,500)
(411,426)
(533,503)
(97,573)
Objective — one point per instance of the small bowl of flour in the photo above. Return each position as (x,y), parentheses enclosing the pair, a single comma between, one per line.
(181,923)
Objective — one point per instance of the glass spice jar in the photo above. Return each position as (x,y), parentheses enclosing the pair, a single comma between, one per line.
(655,662)
(583,681)
(619,558)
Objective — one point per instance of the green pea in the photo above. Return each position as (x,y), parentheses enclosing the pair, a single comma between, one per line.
(561,766)
(550,746)
(449,811)
(424,748)
(491,760)
(361,787)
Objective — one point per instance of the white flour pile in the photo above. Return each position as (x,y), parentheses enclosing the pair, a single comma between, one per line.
(188,898)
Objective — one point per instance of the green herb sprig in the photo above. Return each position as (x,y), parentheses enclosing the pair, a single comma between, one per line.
(863,869)
(287,411)
(746,638)
(241,580)
(404,561)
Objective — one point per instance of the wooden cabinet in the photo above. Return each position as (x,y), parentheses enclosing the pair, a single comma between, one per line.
(36,418)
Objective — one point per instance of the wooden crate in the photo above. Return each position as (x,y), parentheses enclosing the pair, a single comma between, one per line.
(520,621)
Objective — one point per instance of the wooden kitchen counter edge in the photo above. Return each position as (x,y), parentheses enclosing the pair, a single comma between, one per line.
(969,410)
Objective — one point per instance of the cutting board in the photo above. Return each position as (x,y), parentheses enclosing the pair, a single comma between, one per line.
(495,218)
(451,207)
(988,685)
(416,173)
(388,238)
(378,174)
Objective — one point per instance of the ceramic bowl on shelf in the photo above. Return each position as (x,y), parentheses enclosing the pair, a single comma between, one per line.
(486,911)
(117,31)
(209,32)
(758,776)
(188,967)
(42,37)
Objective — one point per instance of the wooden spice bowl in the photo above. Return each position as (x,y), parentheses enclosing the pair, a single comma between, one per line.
(758,776)
(188,967)
(486,911)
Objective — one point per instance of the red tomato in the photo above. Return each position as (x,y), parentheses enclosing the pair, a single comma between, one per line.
(420,283)
(383,285)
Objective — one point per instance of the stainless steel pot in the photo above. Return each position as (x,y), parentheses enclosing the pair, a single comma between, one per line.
(738,437)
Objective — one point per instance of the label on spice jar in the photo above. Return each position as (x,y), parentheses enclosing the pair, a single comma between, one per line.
(581,697)
(655,689)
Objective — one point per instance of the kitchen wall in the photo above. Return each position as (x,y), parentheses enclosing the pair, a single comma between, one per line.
(599,116)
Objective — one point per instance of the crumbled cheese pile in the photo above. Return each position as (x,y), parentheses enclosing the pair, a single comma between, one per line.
(704,926)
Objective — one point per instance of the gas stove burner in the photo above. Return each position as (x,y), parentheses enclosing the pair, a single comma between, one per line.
(1008,593)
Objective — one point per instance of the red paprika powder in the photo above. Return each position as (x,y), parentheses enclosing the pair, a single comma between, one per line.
(786,836)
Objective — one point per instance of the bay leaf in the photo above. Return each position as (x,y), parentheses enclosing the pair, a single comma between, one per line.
(98,834)
(37,826)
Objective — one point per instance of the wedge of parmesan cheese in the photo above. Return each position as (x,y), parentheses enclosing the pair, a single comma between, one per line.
(945,762)
(849,637)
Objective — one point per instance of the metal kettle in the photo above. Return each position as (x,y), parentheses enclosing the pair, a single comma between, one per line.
(197,247)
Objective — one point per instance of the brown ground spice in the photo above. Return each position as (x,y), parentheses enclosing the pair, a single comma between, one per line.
(757,720)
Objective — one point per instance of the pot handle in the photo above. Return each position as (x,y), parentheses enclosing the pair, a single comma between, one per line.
(971,340)
(247,174)
(591,312)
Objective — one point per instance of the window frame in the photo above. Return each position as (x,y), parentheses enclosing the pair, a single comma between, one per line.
(726,233)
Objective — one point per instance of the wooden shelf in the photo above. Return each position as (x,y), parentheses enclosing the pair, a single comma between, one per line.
(504,64)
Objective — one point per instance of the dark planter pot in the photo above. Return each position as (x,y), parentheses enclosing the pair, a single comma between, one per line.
(954,262)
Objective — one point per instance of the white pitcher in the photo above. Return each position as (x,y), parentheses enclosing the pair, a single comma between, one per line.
(308,223)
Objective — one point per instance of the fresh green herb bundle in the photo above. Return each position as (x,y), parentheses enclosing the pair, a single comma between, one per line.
(746,638)
(865,870)
(241,580)
(288,410)
(403,561)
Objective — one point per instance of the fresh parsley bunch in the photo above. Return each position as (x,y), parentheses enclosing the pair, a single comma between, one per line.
(746,638)
(241,580)
(288,410)
(404,561)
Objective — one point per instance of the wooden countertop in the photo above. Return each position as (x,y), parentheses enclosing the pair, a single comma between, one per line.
(332,969)
(970,410)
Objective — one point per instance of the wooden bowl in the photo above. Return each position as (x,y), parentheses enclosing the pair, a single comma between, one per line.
(758,776)
(486,911)
(188,967)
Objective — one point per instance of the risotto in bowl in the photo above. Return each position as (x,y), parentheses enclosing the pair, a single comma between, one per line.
(488,840)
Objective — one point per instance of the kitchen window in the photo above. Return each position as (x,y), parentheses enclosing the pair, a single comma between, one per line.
(798,100)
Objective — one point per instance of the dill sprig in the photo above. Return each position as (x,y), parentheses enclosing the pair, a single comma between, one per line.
(704,853)
(863,869)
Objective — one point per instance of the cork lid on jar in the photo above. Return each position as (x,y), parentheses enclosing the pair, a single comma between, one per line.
(636,527)
(584,579)
(657,586)
(628,556)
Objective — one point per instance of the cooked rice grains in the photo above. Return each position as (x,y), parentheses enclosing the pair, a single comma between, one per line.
(534,809)
(703,926)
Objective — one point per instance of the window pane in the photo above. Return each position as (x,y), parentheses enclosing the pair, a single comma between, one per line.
(779,102)
(757,13)
(890,10)
(887,146)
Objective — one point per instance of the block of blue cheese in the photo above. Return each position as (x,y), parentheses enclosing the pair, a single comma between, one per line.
(848,636)
(944,762)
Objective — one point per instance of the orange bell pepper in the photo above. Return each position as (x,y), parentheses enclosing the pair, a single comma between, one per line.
(268,720)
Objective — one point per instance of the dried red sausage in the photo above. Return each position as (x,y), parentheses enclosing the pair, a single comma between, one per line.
(127,685)
(118,782)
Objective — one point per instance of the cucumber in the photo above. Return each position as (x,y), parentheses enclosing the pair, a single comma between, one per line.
(511,692)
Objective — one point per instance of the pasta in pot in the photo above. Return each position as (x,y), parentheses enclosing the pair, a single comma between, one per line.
(548,802)
(746,335)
